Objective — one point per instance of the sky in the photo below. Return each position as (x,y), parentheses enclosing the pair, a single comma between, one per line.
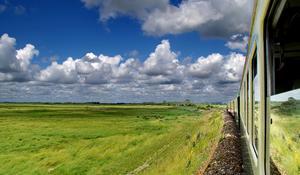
(122,51)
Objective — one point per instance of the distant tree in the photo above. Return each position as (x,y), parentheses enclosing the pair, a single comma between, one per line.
(292,100)
(288,106)
(187,101)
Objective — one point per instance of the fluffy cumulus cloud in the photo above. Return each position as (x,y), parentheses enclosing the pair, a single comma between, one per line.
(59,73)
(161,62)
(90,69)
(215,70)
(238,42)
(217,18)
(233,68)
(205,67)
(15,64)
(25,55)
(162,66)
(114,78)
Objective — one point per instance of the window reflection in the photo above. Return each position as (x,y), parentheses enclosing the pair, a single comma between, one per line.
(285,132)
(256,101)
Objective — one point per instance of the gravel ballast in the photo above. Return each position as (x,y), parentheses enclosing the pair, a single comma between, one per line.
(227,157)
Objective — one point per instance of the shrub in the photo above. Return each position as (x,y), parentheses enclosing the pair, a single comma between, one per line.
(288,106)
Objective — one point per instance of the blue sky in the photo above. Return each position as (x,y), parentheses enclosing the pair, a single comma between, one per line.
(66,28)
(190,37)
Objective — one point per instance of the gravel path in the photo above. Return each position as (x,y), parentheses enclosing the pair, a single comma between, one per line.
(227,158)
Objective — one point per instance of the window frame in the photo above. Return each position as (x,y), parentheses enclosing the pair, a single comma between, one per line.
(253,66)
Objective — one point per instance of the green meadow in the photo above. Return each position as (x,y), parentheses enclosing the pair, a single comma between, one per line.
(106,139)
(285,136)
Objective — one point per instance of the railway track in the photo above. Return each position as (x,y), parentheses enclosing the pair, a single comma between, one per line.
(227,157)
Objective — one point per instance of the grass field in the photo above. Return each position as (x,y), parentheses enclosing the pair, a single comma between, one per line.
(105,139)
(285,137)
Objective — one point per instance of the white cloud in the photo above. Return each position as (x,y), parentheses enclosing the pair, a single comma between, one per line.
(104,69)
(238,42)
(101,76)
(233,68)
(15,63)
(205,67)
(7,53)
(90,69)
(162,66)
(127,71)
(6,77)
(25,55)
(236,18)
(218,68)
(59,73)
(162,61)
(189,16)
(160,76)
(84,67)
(110,60)
(136,8)
(217,18)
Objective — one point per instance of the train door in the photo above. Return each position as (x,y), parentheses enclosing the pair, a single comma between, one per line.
(283,58)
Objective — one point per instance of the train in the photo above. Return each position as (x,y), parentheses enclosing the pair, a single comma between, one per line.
(267,105)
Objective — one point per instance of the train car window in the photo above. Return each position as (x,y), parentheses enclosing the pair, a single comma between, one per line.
(239,111)
(248,102)
(241,102)
(245,106)
(284,75)
(233,109)
(256,102)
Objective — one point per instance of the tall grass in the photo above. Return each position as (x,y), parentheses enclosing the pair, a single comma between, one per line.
(285,137)
(105,139)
